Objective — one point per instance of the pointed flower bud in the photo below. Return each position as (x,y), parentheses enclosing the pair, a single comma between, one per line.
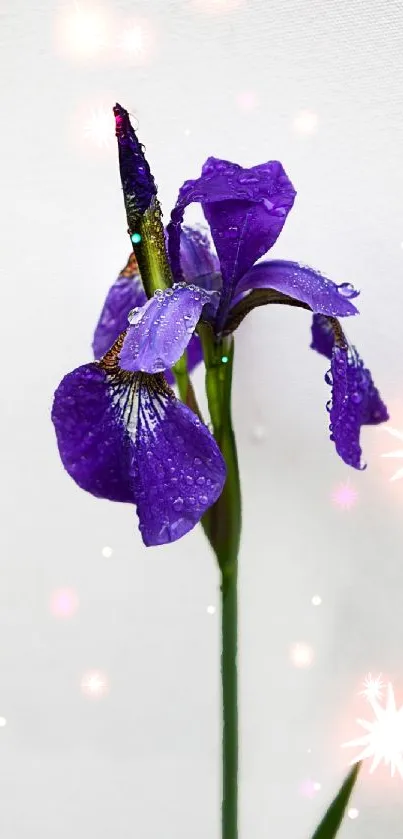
(138,184)
(142,208)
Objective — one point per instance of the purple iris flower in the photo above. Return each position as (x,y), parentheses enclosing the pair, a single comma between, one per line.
(122,434)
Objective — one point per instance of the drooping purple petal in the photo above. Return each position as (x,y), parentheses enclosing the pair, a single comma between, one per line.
(245,208)
(302,283)
(91,441)
(124,295)
(322,335)
(138,184)
(161,329)
(355,402)
(125,437)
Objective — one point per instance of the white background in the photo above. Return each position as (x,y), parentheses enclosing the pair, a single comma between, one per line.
(229,79)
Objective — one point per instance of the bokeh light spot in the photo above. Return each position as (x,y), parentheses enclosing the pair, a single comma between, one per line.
(306,123)
(301,655)
(94,684)
(64,603)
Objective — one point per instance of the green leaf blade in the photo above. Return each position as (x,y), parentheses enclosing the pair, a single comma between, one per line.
(333,817)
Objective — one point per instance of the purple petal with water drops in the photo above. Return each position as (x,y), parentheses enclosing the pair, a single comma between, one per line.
(194,357)
(125,294)
(322,335)
(245,208)
(160,331)
(138,184)
(196,257)
(302,283)
(355,402)
(91,440)
(125,437)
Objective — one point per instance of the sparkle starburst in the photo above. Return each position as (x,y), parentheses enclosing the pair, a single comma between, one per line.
(384,738)
(94,684)
(99,128)
(344,496)
(373,688)
(398,453)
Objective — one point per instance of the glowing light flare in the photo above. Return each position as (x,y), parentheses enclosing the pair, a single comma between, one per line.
(107,551)
(64,603)
(344,496)
(383,740)
(99,128)
(353,813)
(3,722)
(309,788)
(137,43)
(211,610)
(373,688)
(316,600)
(247,100)
(82,32)
(301,655)
(396,453)
(94,684)
(305,123)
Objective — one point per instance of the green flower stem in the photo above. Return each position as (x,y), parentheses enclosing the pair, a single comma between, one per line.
(185,386)
(148,242)
(225,531)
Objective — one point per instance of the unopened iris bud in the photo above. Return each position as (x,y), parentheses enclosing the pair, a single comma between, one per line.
(142,207)
(139,188)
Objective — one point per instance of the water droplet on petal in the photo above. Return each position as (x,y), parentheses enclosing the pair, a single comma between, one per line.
(132,316)
(356,397)
(203,499)
(178,503)
(347,290)
(200,481)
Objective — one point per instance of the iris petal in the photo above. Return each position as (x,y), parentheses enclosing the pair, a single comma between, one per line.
(196,256)
(322,335)
(302,283)
(125,294)
(245,208)
(125,437)
(161,329)
(355,399)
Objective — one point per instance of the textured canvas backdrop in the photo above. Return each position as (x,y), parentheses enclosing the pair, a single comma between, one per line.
(134,749)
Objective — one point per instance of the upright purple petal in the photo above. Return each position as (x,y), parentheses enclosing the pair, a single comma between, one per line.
(355,402)
(124,437)
(245,208)
(160,331)
(124,295)
(138,184)
(302,283)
